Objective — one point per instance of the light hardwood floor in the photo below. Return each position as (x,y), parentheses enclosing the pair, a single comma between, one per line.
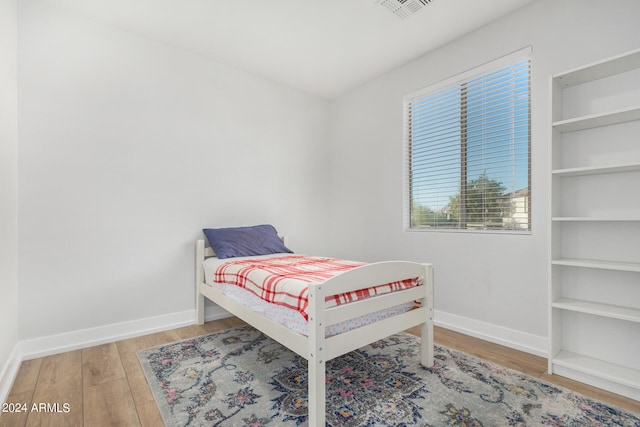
(105,386)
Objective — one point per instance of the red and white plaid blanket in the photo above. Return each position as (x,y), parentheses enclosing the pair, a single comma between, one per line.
(284,280)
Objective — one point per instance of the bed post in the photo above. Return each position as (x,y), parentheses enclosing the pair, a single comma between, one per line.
(316,360)
(199,280)
(426,330)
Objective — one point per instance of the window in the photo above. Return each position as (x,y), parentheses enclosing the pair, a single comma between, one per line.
(467,143)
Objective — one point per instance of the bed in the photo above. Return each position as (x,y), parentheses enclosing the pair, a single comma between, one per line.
(319,343)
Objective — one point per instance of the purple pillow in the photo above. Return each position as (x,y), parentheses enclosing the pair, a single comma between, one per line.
(245,241)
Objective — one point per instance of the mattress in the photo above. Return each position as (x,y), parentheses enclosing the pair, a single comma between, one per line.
(285,316)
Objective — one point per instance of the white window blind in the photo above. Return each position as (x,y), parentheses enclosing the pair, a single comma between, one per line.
(467,145)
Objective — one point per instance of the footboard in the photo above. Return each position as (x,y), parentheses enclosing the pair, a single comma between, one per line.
(363,277)
(322,349)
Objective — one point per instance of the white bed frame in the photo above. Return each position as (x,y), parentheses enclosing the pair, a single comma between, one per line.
(315,347)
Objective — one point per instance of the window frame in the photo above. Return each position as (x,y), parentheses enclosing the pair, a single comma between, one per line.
(451,82)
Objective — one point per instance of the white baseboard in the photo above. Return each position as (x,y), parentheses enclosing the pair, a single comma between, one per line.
(9,373)
(213,312)
(512,338)
(68,341)
(74,340)
(45,346)
(614,387)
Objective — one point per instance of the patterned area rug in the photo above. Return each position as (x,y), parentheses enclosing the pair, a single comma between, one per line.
(240,377)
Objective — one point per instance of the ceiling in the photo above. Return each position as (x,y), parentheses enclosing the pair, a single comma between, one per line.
(324,47)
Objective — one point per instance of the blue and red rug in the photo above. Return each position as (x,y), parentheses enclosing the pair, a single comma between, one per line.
(240,377)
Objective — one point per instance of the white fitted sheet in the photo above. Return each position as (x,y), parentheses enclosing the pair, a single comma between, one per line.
(285,316)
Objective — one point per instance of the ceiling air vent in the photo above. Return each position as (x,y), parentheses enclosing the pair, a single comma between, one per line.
(403,8)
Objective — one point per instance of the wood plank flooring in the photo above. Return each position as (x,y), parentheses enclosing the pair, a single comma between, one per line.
(105,385)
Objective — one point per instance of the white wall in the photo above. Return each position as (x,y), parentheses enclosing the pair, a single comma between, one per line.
(127,148)
(490,285)
(8,193)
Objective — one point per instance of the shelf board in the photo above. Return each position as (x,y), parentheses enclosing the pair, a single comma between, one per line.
(598,309)
(598,368)
(601,69)
(603,265)
(593,219)
(597,170)
(598,120)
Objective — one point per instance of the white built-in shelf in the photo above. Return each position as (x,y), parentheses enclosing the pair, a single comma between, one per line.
(597,170)
(598,309)
(601,69)
(598,120)
(603,265)
(593,219)
(598,368)
(585,227)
